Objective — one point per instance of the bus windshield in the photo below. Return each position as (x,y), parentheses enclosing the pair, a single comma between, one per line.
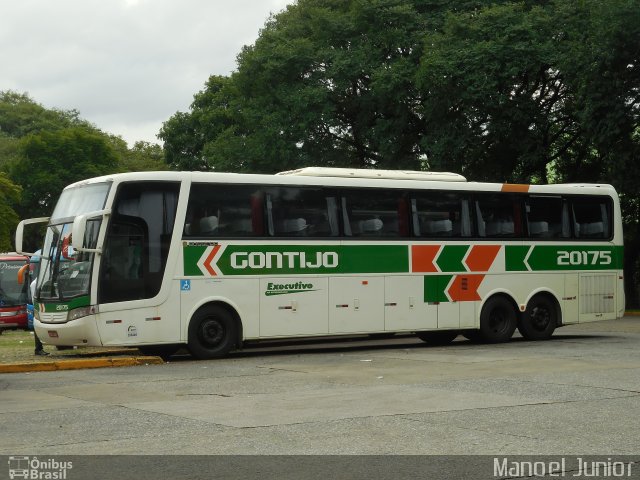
(65,273)
(11,292)
(81,199)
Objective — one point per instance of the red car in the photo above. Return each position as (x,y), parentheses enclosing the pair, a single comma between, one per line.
(13,294)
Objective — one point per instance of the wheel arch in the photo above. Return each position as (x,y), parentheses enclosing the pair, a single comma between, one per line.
(218,302)
(499,293)
(554,300)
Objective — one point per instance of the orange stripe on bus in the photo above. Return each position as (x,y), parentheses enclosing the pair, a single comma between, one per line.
(422,257)
(515,187)
(481,257)
(465,288)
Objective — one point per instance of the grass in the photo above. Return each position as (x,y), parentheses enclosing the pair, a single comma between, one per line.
(17,346)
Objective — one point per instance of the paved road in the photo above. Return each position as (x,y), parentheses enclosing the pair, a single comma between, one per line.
(577,394)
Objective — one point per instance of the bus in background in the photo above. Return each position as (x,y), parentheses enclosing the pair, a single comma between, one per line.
(13,294)
(159,260)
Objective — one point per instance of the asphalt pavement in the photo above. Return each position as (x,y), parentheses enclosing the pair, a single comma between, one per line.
(577,394)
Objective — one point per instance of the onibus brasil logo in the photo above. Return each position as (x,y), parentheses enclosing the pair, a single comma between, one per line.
(35,468)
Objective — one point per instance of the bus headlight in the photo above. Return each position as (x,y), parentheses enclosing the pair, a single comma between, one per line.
(81,312)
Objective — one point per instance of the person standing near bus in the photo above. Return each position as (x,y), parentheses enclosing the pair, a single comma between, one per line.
(39,350)
(24,275)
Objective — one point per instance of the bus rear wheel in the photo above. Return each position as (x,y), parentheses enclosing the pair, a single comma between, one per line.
(498,320)
(540,319)
(212,332)
(437,338)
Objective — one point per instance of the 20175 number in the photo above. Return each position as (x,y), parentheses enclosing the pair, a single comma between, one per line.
(584,257)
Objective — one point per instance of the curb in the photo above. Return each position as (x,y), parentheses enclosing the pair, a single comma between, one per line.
(79,364)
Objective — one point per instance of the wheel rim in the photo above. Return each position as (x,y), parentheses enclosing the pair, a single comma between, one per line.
(211,332)
(499,320)
(540,318)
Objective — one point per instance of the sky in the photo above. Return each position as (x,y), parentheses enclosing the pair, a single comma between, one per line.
(125,65)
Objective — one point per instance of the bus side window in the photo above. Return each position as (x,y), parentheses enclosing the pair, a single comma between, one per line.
(372,213)
(546,217)
(591,217)
(137,242)
(301,212)
(500,215)
(220,211)
(440,214)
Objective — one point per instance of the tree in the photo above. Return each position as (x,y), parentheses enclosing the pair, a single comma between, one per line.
(20,116)
(46,149)
(9,195)
(143,156)
(52,160)
(215,111)
(489,78)
(328,82)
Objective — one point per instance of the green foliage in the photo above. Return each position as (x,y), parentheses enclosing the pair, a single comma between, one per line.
(143,156)
(43,150)
(52,160)
(20,116)
(328,82)
(9,195)
(498,102)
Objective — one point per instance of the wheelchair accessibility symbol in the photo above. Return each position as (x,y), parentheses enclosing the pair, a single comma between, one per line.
(185,285)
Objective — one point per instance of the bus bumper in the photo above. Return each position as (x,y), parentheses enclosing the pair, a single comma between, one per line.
(82,332)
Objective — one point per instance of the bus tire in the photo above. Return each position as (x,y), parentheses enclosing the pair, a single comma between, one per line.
(498,320)
(438,338)
(540,319)
(212,332)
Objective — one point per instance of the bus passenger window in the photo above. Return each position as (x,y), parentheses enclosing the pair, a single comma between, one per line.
(300,212)
(547,217)
(499,216)
(440,214)
(591,217)
(220,211)
(374,213)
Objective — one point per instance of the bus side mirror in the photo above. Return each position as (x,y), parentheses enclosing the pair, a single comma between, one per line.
(20,233)
(79,229)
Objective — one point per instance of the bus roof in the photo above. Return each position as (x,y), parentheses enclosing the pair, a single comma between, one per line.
(295,178)
(376,174)
(13,256)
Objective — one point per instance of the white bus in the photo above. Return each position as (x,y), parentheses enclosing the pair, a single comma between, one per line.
(160,260)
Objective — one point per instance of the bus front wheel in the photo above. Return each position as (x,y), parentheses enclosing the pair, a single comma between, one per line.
(212,332)
(498,320)
(539,320)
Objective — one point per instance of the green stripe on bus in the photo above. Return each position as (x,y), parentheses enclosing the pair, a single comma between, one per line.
(58,307)
(514,258)
(191,256)
(563,257)
(435,286)
(301,259)
(363,259)
(450,258)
